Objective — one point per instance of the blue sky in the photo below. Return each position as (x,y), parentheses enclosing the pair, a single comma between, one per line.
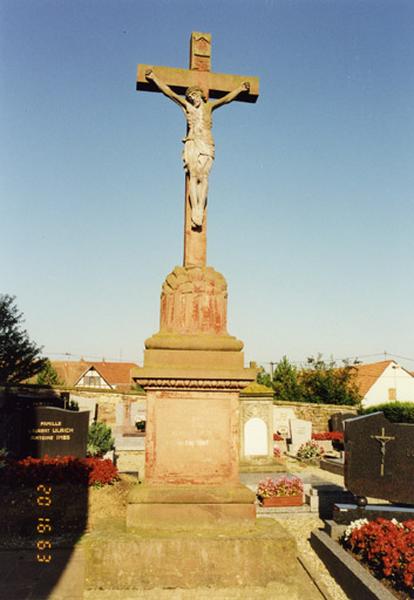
(311,194)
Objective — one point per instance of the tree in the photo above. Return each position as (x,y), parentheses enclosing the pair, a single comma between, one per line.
(286,382)
(264,378)
(325,383)
(319,382)
(48,375)
(19,356)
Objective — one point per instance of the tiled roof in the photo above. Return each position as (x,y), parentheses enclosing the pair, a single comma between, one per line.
(115,373)
(69,372)
(368,374)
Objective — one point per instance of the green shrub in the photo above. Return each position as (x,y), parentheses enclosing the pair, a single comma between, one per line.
(396,412)
(100,439)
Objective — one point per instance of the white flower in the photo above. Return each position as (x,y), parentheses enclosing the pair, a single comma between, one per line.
(397,523)
(354,525)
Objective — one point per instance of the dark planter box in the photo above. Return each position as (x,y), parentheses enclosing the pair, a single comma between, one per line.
(355,580)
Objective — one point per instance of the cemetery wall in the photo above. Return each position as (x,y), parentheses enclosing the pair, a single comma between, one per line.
(107,403)
(319,414)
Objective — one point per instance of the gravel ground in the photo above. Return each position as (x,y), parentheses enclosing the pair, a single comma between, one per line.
(300,526)
(301,529)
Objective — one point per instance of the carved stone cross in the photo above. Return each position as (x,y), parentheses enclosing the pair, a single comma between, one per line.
(213,85)
(382,439)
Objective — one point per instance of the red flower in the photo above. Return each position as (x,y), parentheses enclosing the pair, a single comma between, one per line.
(388,548)
(59,469)
(328,435)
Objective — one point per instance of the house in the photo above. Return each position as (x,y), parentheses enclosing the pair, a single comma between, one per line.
(96,375)
(384,381)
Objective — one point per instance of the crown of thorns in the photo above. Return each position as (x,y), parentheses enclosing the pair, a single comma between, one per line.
(195,88)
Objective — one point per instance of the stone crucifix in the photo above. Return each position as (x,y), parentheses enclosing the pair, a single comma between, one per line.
(383,440)
(197,84)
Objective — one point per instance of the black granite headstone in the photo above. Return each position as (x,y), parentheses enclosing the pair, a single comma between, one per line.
(336,421)
(379,458)
(24,400)
(10,431)
(55,432)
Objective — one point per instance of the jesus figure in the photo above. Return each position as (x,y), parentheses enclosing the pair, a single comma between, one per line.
(198,153)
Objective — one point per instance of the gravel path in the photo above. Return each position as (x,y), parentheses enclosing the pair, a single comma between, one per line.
(300,528)
(301,525)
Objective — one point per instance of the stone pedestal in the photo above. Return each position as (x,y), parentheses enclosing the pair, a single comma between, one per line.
(192,522)
(193,373)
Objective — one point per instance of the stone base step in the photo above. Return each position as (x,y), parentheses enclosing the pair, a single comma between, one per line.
(218,557)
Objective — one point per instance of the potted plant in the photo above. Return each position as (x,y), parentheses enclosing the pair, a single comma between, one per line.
(141,425)
(283,491)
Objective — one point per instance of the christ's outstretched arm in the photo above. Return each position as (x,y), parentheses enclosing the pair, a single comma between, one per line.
(164,88)
(244,87)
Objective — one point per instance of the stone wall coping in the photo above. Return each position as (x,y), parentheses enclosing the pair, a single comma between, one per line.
(337,407)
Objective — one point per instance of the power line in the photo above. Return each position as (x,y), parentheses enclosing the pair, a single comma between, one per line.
(81,355)
(347,358)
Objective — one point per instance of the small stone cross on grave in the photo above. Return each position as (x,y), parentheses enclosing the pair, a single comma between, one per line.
(197,84)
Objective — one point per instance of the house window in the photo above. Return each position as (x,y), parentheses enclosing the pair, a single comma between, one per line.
(92,381)
(392,394)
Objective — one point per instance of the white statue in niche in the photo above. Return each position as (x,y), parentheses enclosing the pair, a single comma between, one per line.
(198,153)
(255,437)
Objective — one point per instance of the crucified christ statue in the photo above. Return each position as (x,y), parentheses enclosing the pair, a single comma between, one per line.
(198,153)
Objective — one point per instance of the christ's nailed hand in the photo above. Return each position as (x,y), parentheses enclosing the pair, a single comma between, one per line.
(246,86)
(149,74)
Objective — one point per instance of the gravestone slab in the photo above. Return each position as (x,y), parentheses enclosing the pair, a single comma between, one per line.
(281,418)
(86,404)
(55,432)
(300,433)
(25,401)
(379,458)
(344,514)
(10,431)
(336,421)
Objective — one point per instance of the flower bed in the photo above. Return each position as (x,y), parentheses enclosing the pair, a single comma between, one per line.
(59,469)
(337,436)
(285,488)
(387,548)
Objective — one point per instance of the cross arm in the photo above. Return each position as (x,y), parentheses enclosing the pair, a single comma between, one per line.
(180,79)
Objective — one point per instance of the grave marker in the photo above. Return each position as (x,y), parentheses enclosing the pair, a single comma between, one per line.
(281,418)
(300,433)
(379,458)
(54,431)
